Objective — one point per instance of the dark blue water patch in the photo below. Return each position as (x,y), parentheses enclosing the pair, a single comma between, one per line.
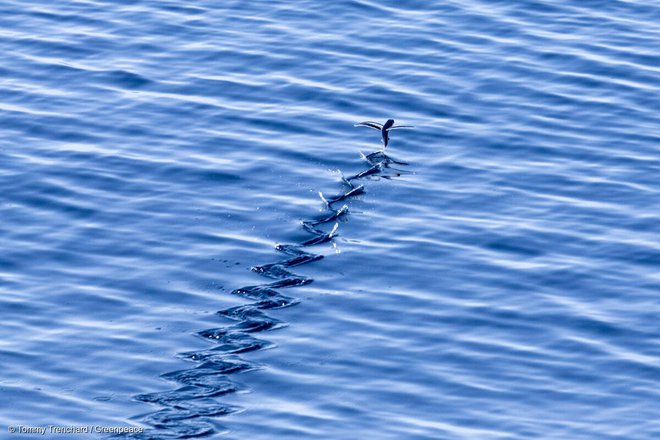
(188,174)
(31,14)
(53,203)
(56,48)
(46,128)
(517,245)
(183,10)
(123,78)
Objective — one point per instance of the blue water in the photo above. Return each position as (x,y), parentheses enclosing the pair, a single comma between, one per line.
(504,286)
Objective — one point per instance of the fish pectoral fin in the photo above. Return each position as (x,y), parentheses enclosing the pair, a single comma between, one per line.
(370,124)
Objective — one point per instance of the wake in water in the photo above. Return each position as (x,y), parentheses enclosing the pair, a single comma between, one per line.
(185,411)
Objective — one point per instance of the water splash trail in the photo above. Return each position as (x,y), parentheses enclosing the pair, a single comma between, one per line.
(186,410)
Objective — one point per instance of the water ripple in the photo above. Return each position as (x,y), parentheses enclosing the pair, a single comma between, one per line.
(152,151)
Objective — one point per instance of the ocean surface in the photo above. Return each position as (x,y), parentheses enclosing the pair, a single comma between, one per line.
(503,283)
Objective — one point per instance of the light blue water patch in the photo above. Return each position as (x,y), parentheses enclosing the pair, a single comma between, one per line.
(502,285)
